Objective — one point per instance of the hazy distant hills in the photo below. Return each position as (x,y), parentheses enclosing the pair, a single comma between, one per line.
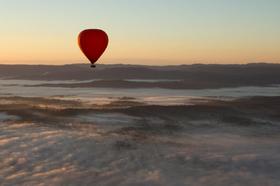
(189,76)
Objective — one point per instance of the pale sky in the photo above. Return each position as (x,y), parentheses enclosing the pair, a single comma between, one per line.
(156,32)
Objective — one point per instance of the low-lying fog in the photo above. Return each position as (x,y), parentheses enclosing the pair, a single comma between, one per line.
(98,136)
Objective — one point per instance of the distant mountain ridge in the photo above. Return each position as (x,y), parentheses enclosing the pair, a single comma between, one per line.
(255,74)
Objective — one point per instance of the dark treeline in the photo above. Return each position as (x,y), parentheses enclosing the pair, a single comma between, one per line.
(257,74)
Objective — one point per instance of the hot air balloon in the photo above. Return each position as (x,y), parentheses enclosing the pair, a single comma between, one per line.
(93,43)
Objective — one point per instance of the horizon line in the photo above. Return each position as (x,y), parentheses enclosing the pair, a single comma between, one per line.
(128,64)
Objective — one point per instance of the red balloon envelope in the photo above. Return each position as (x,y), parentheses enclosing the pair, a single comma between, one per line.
(93,43)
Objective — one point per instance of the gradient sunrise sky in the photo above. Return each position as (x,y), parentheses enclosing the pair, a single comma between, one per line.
(142,31)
